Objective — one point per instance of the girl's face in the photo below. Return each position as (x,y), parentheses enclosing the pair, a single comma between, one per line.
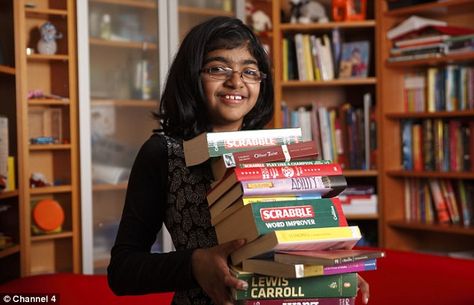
(229,100)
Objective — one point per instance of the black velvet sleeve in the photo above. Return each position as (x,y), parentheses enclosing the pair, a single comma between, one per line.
(133,269)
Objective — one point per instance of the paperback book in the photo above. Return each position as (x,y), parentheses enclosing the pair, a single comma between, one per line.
(326,258)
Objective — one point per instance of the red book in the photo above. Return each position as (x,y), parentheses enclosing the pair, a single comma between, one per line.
(296,151)
(439,202)
(278,172)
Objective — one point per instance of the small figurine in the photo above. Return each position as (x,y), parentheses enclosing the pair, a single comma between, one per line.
(47,44)
(258,19)
(348,10)
(307,11)
(38,179)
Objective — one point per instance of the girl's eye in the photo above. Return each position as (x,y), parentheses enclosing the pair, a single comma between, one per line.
(250,72)
(218,70)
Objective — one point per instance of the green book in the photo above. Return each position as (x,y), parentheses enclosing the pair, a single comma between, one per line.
(269,287)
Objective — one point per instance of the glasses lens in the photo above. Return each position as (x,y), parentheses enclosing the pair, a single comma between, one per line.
(251,76)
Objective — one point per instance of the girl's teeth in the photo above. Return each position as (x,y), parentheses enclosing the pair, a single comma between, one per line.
(233,97)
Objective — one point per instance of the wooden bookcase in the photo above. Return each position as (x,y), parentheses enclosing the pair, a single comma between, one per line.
(45,115)
(332,93)
(399,233)
(10,201)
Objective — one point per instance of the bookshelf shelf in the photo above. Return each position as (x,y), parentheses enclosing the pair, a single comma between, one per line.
(129,3)
(9,251)
(50,189)
(51,236)
(125,103)
(451,58)
(42,57)
(109,187)
(335,82)
(441,228)
(441,7)
(427,174)
(7,70)
(203,11)
(45,11)
(362,217)
(360,173)
(8,194)
(48,102)
(141,45)
(50,146)
(298,27)
(429,115)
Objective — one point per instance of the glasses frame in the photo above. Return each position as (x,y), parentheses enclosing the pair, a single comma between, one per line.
(231,72)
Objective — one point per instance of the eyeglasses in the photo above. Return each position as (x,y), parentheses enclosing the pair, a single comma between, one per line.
(248,76)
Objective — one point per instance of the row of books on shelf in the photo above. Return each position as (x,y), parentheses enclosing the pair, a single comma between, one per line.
(321,58)
(299,244)
(449,88)
(437,145)
(419,38)
(7,162)
(439,201)
(344,134)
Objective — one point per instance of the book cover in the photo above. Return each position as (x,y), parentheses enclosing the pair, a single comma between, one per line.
(267,287)
(326,257)
(411,24)
(307,301)
(354,59)
(283,152)
(271,268)
(265,217)
(243,174)
(303,239)
(214,144)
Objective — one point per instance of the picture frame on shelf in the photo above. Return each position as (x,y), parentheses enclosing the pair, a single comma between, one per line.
(354,59)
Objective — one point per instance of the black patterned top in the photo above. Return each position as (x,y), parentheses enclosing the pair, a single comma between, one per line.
(162,189)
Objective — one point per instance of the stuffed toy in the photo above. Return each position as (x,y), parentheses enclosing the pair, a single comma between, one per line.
(307,11)
(47,44)
(258,20)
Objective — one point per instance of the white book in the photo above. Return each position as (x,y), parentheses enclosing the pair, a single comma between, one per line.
(411,24)
(3,152)
(367,139)
(300,62)
(325,132)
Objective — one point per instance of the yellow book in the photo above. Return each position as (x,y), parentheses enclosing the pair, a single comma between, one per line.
(285,58)
(11,185)
(308,60)
(303,239)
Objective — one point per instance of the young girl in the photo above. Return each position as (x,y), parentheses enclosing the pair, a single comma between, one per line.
(220,80)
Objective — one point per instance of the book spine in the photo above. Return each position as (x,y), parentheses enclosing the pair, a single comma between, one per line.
(268,287)
(285,163)
(278,172)
(367,265)
(326,186)
(307,301)
(220,143)
(276,153)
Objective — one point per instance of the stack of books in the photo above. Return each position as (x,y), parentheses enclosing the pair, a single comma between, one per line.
(284,203)
(420,38)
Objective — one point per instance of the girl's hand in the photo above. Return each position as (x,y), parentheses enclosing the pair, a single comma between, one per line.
(363,286)
(211,271)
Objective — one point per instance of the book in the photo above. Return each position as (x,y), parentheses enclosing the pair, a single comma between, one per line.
(307,301)
(324,186)
(219,212)
(214,144)
(265,217)
(272,171)
(410,24)
(3,153)
(283,152)
(268,287)
(272,268)
(354,59)
(303,239)
(327,257)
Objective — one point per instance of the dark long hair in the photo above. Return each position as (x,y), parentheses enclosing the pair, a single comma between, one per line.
(182,111)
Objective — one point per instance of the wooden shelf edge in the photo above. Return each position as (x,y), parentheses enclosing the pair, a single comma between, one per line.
(443,228)
(46,11)
(110,187)
(335,82)
(203,11)
(360,173)
(51,189)
(7,70)
(48,102)
(9,251)
(130,3)
(59,57)
(8,194)
(327,25)
(141,45)
(421,115)
(50,146)
(51,236)
(428,174)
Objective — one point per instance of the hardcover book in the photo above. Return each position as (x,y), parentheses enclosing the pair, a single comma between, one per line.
(302,239)
(271,268)
(285,171)
(354,59)
(268,287)
(265,217)
(327,257)
(215,144)
(296,151)
(307,301)
(325,186)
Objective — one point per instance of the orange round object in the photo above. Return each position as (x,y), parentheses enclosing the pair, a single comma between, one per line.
(48,214)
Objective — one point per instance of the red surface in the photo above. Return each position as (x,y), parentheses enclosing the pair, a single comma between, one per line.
(402,278)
